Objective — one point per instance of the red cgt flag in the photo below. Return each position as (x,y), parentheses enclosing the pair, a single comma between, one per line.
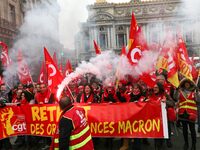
(54,76)
(5,59)
(132,32)
(23,70)
(43,74)
(97,48)
(138,46)
(55,59)
(186,67)
(68,68)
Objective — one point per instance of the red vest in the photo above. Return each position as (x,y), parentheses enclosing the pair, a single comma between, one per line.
(188,104)
(80,138)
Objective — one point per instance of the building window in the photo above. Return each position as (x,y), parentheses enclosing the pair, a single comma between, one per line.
(12,13)
(101,29)
(120,28)
(103,40)
(121,40)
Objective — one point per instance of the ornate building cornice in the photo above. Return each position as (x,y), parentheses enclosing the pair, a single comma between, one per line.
(142,9)
(114,19)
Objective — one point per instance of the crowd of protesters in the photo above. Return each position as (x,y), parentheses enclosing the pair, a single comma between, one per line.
(181,104)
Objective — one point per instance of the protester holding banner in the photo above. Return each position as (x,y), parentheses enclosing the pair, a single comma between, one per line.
(72,123)
(97,89)
(109,95)
(159,95)
(187,94)
(121,92)
(44,96)
(88,95)
(134,96)
(171,113)
(17,98)
(29,93)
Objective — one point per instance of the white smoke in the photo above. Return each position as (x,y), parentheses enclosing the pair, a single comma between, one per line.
(190,10)
(103,66)
(108,67)
(40,28)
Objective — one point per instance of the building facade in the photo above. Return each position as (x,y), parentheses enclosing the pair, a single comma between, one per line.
(109,24)
(12,14)
(11,18)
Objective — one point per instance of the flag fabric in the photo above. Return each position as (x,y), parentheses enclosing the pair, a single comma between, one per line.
(123,51)
(97,48)
(132,32)
(43,74)
(55,59)
(172,69)
(69,68)
(136,46)
(139,45)
(5,59)
(23,70)
(167,59)
(61,68)
(149,79)
(54,76)
(184,63)
(162,63)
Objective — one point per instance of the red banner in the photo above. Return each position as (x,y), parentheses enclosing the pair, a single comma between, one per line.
(139,120)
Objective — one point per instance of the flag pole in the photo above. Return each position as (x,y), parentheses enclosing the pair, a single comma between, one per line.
(198,79)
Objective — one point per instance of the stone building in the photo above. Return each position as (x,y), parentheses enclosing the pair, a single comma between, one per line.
(109,23)
(11,18)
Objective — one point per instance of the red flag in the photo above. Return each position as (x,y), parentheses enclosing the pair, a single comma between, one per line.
(132,32)
(23,70)
(123,51)
(172,75)
(61,68)
(53,74)
(68,67)
(4,55)
(149,79)
(138,46)
(97,48)
(43,74)
(55,59)
(185,65)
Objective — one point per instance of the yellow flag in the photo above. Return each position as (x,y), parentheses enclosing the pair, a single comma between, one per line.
(174,80)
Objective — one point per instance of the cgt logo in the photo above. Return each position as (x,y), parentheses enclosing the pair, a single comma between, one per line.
(19,125)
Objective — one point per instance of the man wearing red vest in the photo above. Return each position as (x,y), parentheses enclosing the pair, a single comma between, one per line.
(74,132)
